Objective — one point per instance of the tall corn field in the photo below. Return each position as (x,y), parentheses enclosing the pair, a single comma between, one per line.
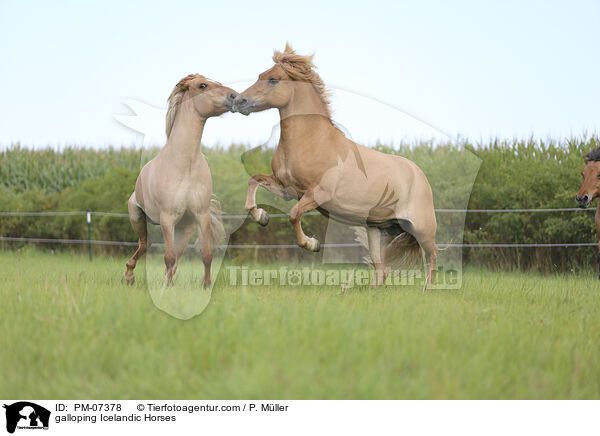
(52,170)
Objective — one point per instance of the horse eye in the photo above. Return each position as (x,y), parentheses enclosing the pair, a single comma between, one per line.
(272,81)
(202,85)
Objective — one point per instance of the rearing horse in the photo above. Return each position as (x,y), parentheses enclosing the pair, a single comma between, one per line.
(175,188)
(316,163)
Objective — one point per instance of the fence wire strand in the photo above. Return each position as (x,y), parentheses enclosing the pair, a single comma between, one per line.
(248,246)
(281,215)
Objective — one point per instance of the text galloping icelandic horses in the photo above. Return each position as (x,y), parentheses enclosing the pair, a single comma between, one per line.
(316,163)
(175,188)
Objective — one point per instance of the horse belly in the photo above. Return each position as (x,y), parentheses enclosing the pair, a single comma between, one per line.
(381,195)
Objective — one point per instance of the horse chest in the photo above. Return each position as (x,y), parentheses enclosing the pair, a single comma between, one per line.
(289,174)
(283,175)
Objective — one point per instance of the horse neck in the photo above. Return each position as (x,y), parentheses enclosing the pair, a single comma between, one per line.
(186,134)
(305,100)
(305,113)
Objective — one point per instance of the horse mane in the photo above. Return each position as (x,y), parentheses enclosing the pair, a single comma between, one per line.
(300,68)
(594,155)
(176,98)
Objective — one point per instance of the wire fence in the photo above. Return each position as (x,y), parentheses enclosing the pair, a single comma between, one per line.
(279,215)
(91,242)
(242,246)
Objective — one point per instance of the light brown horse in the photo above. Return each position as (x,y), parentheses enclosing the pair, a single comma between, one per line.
(590,189)
(316,163)
(175,188)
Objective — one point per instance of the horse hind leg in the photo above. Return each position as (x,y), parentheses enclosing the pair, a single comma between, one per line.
(424,231)
(183,235)
(430,254)
(138,222)
(167,225)
(205,228)
(377,255)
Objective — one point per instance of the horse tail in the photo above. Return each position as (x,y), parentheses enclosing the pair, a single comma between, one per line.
(217,231)
(402,252)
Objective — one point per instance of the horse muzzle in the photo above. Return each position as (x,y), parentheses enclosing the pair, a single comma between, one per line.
(230,101)
(242,105)
(583,201)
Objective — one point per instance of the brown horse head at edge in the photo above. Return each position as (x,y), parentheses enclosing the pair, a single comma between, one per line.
(590,187)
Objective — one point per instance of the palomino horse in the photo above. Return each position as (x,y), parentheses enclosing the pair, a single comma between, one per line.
(175,188)
(590,189)
(316,163)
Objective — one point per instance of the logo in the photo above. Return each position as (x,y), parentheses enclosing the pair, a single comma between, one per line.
(26,415)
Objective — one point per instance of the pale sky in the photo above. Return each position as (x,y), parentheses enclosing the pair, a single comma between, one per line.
(471,68)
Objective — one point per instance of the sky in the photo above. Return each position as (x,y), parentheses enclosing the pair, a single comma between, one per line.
(474,69)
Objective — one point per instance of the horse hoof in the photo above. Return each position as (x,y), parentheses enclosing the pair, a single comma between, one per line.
(313,244)
(126,281)
(263,217)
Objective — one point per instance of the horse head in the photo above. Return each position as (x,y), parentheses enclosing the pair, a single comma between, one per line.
(590,187)
(209,98)
(292,77)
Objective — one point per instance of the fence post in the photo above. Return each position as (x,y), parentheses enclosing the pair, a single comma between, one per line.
(89,224)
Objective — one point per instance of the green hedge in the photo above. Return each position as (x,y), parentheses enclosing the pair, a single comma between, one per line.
(509,174)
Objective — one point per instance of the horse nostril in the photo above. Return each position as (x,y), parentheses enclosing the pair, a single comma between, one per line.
(232,96)
(243,100)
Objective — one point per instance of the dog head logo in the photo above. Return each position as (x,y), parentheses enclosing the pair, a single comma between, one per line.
(24,414)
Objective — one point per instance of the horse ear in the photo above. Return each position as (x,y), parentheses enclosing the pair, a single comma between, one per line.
(586,159)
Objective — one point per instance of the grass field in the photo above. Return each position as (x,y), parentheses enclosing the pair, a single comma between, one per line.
(69,329)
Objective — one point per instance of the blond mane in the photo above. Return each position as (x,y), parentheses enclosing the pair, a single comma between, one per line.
(176,98)
(300,68)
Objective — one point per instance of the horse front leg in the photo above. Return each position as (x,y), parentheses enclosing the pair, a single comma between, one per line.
(271,184)
(311,199)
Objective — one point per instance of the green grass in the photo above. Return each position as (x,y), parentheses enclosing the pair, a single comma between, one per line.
(69,329)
